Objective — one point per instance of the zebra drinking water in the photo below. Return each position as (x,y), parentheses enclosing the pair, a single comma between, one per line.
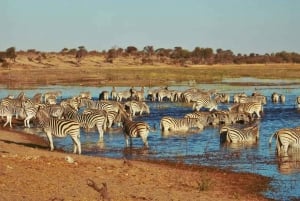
(235,135)
(285,138)
(184,124)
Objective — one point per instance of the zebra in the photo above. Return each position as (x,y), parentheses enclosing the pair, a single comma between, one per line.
(285,138)
(250,108)
(137,107)
(85,94)
(235,135)
(126,94)
(206,103)
(74,102)
(298,101)
(111,116)
(275,97)
(168,123)
(7,111)
(259,99)
(193,94)
(113,94)
(89,120)
(59,128)
(103,95)
(205,117)
(282,98)
(134,129)
(55,111)
(101,105)
(52,94)
(30,110)
(236,97)
(222,98)
(140,95)
(165,93)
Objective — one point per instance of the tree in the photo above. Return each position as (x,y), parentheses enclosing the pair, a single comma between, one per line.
(131,50)
(148,50)
(81,52)
(11,53)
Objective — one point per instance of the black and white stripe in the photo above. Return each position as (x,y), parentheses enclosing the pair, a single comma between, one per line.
(250,108)
(181,124)
(60,128)
(134,129)
(205,102)
(137,107)
(30,111)
(235,135)
(285,138)
(89,120)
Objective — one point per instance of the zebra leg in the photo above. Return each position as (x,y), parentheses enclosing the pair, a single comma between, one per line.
(49,135)
(126,140)
(8,120)
(144,138)
(76,145)
(26,122)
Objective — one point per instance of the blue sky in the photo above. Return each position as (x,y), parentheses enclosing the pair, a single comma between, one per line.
(243,26)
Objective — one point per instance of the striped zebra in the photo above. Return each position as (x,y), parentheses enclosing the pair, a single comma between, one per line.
(165,94)
(85,94)
(182,124)
(52,94)
(30,110)
(298,101)
(8,112)
(285,138)
(235,135)
(89,120)
(250,108)
(113,94)
(126,94)
(59,128)
(259,99)
(104,95)
(222,98)
(101,105)
(205,117)
(55,111)
(282,98)
(236,97)
(206,103)
(134,129)
(275,97)
(112,116)
(137,107)
(140,95)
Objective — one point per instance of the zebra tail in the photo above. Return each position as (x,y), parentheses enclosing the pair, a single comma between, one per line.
(270,140)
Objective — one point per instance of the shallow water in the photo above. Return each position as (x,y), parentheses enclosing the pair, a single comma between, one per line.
(203,147)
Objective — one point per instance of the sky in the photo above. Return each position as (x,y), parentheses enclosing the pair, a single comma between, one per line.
(243,26)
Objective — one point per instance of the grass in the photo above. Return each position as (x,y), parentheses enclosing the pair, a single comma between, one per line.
(95,72)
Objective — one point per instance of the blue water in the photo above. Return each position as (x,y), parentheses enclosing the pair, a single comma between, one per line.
(203,147)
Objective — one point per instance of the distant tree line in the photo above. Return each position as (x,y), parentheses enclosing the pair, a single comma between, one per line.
(175,56)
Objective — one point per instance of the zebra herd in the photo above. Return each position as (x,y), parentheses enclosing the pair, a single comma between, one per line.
(62,117)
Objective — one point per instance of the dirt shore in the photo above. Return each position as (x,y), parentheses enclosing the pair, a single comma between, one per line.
(29,171)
